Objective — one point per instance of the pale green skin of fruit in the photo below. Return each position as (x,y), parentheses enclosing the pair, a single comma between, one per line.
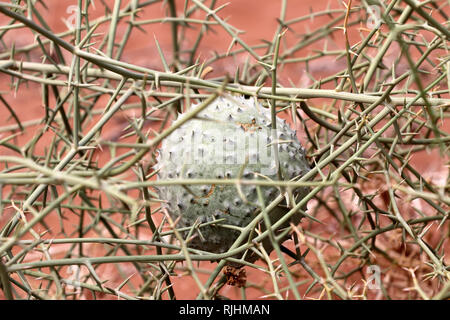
(235,117)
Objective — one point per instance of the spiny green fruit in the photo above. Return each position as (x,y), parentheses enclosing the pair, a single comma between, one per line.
(232,136)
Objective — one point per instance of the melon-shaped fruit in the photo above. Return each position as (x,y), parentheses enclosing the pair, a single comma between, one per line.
(232,138)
